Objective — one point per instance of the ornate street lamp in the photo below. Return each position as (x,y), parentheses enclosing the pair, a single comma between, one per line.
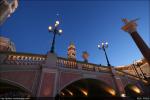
(56,31)
(103,46)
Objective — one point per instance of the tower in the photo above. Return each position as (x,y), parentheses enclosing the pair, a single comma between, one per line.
(72,51)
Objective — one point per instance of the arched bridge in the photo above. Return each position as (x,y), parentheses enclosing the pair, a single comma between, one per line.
(50,76)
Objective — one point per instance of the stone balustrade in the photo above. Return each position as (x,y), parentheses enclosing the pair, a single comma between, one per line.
(24,59)
(66,63)
(34,59)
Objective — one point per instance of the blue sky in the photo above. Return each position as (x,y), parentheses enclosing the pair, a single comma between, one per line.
(86,23)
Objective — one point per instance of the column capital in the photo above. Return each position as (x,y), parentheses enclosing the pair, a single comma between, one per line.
(130,26)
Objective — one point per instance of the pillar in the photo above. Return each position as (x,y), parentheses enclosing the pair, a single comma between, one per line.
(130,27)
(48,81)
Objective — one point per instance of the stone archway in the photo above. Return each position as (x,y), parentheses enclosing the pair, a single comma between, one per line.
(11,89)
(87,87)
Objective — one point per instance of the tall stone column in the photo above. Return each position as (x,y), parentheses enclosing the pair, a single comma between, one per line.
(130,27)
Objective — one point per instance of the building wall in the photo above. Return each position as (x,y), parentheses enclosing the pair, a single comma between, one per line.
(26,76)
(67,78)
(25,79)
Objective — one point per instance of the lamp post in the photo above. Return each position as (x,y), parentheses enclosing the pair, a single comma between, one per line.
(55,31)
(103,46)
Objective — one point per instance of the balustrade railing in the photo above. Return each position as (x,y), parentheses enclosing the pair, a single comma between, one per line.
(24,59)
(33,59)
(66,63)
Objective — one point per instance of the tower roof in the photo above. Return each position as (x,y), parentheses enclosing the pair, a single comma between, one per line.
(71,45)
